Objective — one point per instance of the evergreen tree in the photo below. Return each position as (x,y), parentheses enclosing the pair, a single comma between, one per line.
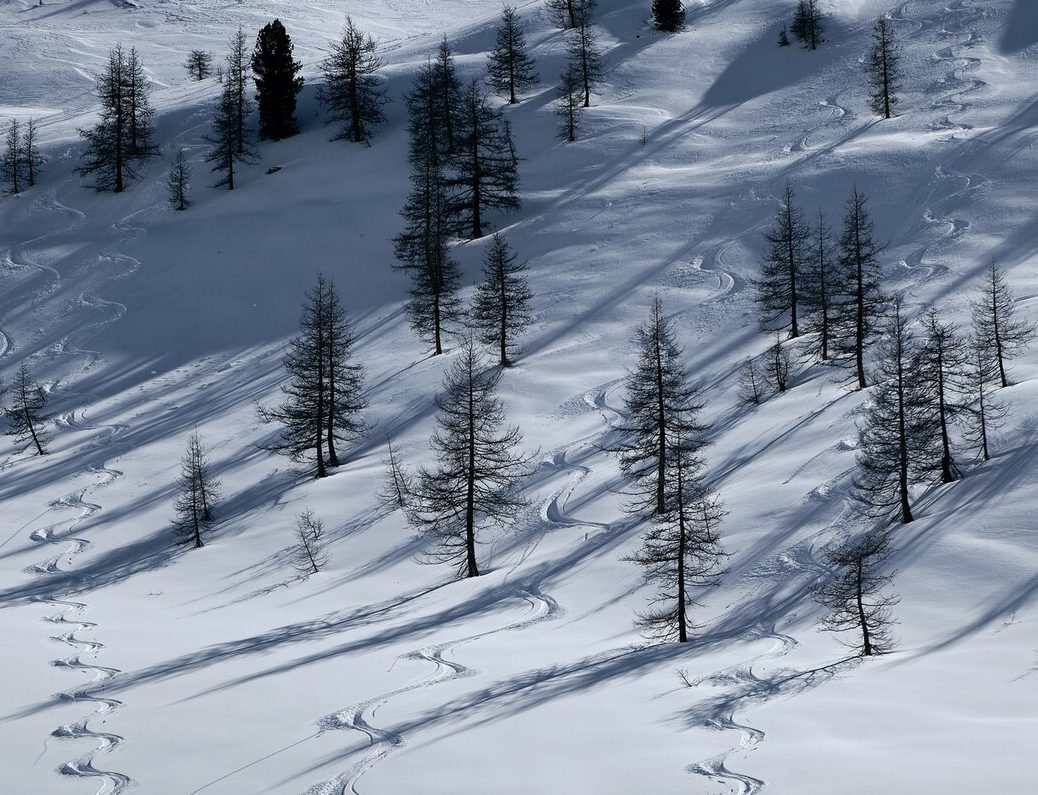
(898,443)
(421,249)
(510,67)
(478,472)
(274,73)
(860,302)
(883,67)
(661,418)
(856,597)
(501,310)
(779,287)
(237,100)
(197,495)
(227,146)
(567,106)
(11,165)
(484,173)
(941,365)
(999,333)
(199,64)
(31,155)
(584,51)
(323,395)
(447,97)
(178,181)
(352,92)
(682,550)
(669,15)
(25,417)
(309,555)
(122,134)
(820,287)
(808,24)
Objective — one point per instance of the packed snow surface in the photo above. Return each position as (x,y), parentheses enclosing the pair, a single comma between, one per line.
(130,664)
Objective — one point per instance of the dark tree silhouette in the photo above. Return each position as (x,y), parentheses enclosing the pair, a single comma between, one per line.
(753,384)
(856,596)
(309,554)
(501,310)
(883,67)
(197,495)
(999,333)
(808,24)
(483,167)
(447,97)
(898,441)
(32,158)
(237,76)
(199,64)
(323,397)
(941,366)
(121,136)
(566,14)
(661,418)
(397,487)
(11,165)
(178,181)
(860,302)
(352,92)
(820,285)
(228,147)
(510,68)
(780,286)
(682,550)
(584,51)
(568,105)
(669,15)
(277,83)
(421,249)
(478,472)
(783,40)
(25,418)
(984,411)
(779,365)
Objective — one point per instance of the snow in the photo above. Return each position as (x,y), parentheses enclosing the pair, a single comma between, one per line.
(219,671)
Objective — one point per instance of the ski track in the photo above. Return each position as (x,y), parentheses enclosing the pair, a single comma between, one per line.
(382,742)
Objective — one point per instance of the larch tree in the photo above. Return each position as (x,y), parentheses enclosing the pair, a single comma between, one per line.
(422,247)
(753,383)
(197,495)
(483,173)
(501,310)
(229,148)
(277,82)
(808,24)
(26,420)
(681,552)
(779,365)
(237,76)
(11,165)
(857,595)
(479,470)
(998,331)
(510,68)
(984,411)
(310,552)
(780,285)
(668,15)
(820,286)
(396,488)
(323,395)
(662,414)
(199,64)
(31,155)
(178,181)
(860,302)
(584,52)
(566,14)
(897,439)
(447,97)
(121,136)
(353,93)
(883,68)
(941,366)
(568,106)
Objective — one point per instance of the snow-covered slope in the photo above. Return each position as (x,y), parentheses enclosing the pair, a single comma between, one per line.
(127,663)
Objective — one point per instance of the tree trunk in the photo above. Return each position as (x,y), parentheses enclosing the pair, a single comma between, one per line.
(470,494)
(866,643)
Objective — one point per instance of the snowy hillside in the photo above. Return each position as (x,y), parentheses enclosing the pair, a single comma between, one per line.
(129,663)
